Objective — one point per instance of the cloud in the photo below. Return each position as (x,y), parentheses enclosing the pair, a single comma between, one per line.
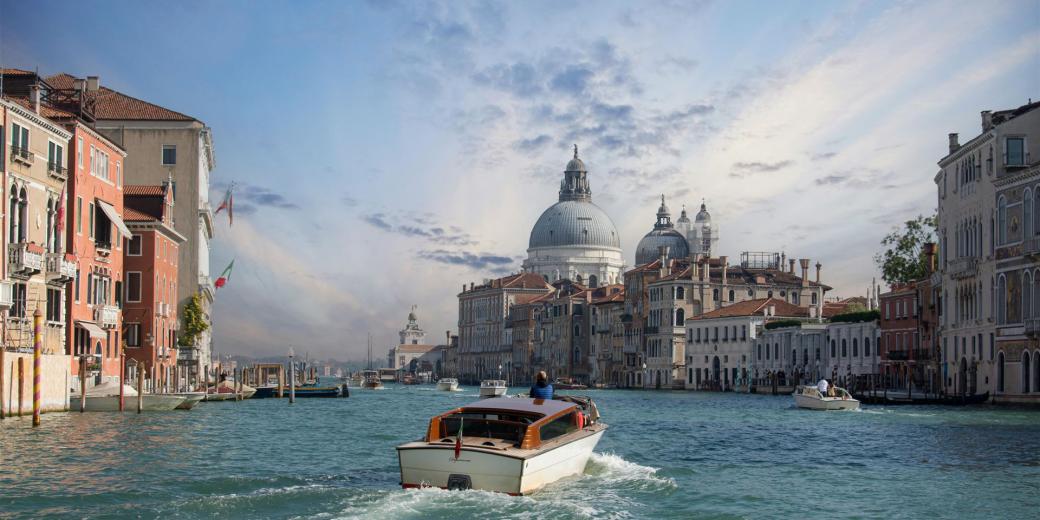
(418,226)
(349,201)
(533,144)
(477,261)
(831,179)
(254,196)
(746,169)
(823,156)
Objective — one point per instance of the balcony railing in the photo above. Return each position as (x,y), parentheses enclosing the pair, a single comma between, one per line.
(61,268)
(6,294)
(23,155)
(1032,326)
(1031,246)
(24,259)
(162,309)
(107,316)
(57,170)
(963,267)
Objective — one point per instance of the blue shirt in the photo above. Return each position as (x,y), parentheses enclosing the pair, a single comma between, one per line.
(541,391)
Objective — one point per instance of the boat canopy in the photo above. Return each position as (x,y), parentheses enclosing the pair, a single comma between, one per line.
(542,407)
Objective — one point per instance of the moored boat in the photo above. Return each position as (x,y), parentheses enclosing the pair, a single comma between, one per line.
(105,398)
(448,384)
(190,399)
(809,397)
(373,383)
(568,385)
(513,446)
(492,388)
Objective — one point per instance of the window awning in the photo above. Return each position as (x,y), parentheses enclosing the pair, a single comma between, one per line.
(112,215)
(94,330)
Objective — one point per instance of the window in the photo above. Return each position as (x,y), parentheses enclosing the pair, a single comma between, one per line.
(134,247)
(866,347)
(76,283)
(55,156)
(844,349)
(119,173)
(79,215)
(133,334)
(18,309)
(560,426)
(169,154)
(1027,214)
(1001,220)
(55,305)
(732,295)
(79,153)
(19,140)
(90,213)
(1015,151)
(133,286)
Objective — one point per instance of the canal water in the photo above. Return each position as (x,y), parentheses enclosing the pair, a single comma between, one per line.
(666,455)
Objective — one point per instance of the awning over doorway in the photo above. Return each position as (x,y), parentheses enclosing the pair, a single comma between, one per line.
(92,329)
(113,215)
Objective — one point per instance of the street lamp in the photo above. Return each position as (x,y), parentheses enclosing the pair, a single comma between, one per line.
(500,371)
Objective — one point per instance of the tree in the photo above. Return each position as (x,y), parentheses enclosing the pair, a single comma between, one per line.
(902,261)
(194,322)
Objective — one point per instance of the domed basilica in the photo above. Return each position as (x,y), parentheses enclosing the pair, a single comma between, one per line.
(682,239)
(574,239)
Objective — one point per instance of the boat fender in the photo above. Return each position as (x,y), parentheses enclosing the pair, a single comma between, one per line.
(579,420)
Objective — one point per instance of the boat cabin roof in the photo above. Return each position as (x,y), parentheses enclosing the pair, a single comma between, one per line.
(543,407)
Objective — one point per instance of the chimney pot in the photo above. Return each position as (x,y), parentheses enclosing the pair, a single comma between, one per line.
(791,266)
(954,145)
(804,262)
(818,266)
(987,120)
(92,83)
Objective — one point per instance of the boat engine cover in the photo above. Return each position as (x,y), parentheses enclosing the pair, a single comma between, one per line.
(457,481)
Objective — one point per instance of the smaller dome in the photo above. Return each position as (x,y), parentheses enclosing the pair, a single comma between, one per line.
(683,219)
(663,211)
(575,164)
(647,250)
(703,215)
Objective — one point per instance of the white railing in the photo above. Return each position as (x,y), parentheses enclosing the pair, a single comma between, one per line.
(1032,326)
(963,267)
(60,268)
(6,294)
(107,316)
(1031,246)
(24,261)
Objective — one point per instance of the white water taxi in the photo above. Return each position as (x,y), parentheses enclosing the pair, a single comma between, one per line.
(492,388)
(809,397)
(190,399)
(508,445)
(448,384)
(105,398)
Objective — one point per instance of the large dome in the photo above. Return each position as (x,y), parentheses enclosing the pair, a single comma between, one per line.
(574,223)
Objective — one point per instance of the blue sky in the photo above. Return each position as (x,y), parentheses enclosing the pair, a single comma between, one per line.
(389,152)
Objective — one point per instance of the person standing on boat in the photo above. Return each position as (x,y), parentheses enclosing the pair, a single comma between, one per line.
(822,387)
(541,389)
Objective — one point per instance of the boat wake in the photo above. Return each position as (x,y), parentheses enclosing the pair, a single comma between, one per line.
(617,471)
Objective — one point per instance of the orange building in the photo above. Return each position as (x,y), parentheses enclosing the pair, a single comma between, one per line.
(150,303)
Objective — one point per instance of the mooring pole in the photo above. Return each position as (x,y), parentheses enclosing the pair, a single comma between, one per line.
(82,383)
(3,368)
(292,378)
(122,379)
(140,388)
(21,384)
(37,350)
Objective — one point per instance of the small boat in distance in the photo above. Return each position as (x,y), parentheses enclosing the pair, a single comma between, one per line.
(810,398)
(492,388)
(105,398)
(448,384)
(568,385)
(508,445)
(190,399)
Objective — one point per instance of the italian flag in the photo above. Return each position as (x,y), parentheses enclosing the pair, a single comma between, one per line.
(458,440)
(229,204)
(224,276)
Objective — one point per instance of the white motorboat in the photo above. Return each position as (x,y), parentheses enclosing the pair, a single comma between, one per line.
(448,384)
(513,446)
(190,399)
(809,397)
(492,388)
(105,398)
(229,385)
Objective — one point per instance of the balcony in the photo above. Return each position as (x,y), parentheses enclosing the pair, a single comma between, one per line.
(57,171)
(1032,327)
(963,267)
(24,259)
(1031,246)
(22,155)
(61,269)
(6,294)
(162,310)
(107,316)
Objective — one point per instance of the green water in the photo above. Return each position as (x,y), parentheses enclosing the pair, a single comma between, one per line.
(666,455)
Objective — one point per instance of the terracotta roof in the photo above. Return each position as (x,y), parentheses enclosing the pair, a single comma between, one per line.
(111,104)
(137,190)
(132,215)
(735,274)
(46,110)
(524,281)
(755,307)
(16,72)
(608,294)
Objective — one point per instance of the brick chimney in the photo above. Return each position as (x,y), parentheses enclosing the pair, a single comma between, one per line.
(34,97)
(929,252)
(662,254)
(92,83)
(790,267)
(804,262)
(954,145)
(725,271)
(987,120)
(818,266)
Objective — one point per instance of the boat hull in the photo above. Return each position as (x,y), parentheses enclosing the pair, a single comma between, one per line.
(491,391)
(432,465)
(448,387)
(150,403)
(190,400)
(814,403)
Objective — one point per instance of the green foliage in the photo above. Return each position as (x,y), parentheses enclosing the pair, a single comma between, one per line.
(779,324)
(901,261)
(855,307)
(194,322)
(855,317)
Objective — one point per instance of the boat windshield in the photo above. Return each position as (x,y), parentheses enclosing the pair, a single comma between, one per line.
(503,426)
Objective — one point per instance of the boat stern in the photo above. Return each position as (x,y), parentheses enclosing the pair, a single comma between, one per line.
(426,464)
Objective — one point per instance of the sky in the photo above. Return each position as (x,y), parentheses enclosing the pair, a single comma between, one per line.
(386,153)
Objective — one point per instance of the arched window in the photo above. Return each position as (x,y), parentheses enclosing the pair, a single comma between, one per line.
(680,317)
(760,352)
(1001,220)
(794,356)
(855,347)
(577,331)
(715,295)
(767,352)
(732,295)
(844,349)
(593,281)
(776,351)
(12,213)
(1025,373)
(1027,295)
(769,294)
(1000,372)
(866,347)
(1036,210)
(680,293)
(1001,296)
(578,278)
(814,298)
(1027,214)
(23,216)
(834,349)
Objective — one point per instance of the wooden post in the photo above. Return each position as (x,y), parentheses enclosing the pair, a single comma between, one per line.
(3,367)
(281,380)
(82,384)
(122,380)
(37,368)
(140,388)
(21,384)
